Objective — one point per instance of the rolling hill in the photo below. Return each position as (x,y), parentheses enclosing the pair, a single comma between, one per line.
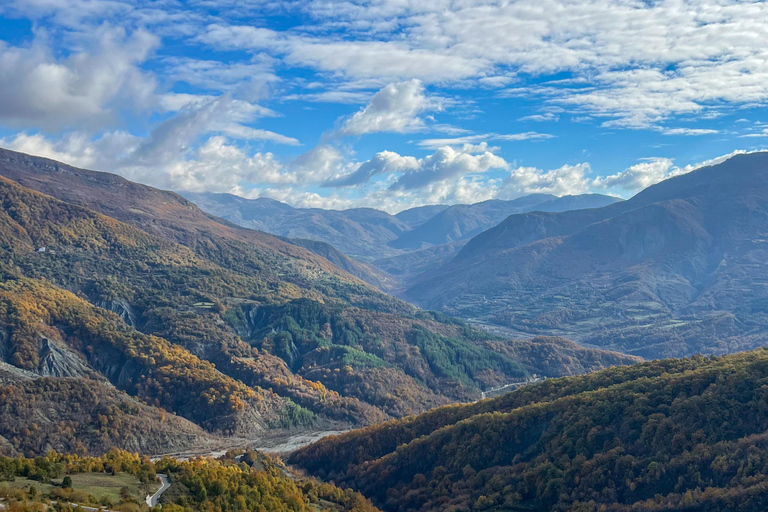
(119,480)
(676,270)
(686,434)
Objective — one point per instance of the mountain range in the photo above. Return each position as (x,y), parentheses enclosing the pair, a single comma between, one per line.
(110,288)
(397,245)
(676,270)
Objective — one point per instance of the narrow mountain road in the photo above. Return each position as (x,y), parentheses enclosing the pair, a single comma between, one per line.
(165,484)
(493,392)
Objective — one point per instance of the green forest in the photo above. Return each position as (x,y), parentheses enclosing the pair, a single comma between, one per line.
(683,434)
(240,481)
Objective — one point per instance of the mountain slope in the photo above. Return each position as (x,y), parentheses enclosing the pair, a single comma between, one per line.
(363,271)
(78,415)
(268,315)
(361,233)
(415,217)
(462,222)
(190,300)
(673,271)
(35,315)
(667,435)
(365,233)
(169,216)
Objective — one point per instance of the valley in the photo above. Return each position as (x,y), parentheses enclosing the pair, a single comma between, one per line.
(383,256)
(254,334)
(655,276)
(205,346)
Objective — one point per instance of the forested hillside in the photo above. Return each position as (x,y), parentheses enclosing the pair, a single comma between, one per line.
(686,434)
(81,415)
(253,482)
(250,332)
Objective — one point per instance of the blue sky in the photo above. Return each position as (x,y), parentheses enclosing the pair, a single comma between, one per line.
(385,103)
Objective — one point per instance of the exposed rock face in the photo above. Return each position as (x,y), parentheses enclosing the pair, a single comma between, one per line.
(97,417)
(121,308)
(57,360)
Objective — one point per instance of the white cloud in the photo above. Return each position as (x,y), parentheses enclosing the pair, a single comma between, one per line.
(319,164)
(344,97)
(387,60)
(639,176)
(471,139)
(566,180)
(395,108)
(448,163)
(688,131)
(447,166)
(250,81)
(241,132)
(540,118)
(185,152)
(522,136)
(634,64)
(385,162)
(85,89)
(654,170)
(215,166)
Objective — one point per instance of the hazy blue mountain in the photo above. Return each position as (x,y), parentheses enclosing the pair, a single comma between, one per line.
(676,270)
(401,246)
(463,221)
(361,233)
(415,217)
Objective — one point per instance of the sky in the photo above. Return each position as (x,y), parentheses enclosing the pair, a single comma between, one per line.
(388,104)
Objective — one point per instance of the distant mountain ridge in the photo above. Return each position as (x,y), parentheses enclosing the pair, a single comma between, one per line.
(361,233)
(463,221)
(400,245)
(673,271)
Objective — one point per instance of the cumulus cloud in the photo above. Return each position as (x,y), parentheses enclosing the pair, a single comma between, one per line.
(385,162)
(565,180)
(85,89)
(639,176)
(408,173)
(448,163)
(185,152)
(635,64)
(395,108)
